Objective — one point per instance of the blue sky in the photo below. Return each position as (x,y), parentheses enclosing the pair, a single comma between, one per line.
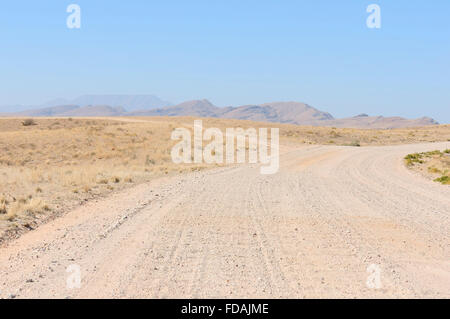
(233,53)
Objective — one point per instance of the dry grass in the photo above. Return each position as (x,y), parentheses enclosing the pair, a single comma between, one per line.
(56,163)
(334,136)
(435,165)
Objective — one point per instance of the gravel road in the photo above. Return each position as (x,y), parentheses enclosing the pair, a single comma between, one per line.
(316,229)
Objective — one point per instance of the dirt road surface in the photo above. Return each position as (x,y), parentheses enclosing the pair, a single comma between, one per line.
(310,231)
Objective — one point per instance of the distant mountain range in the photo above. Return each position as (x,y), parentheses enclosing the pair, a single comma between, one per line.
(379,122)
(128,102)
(75,110)
(284,112)
(276,112)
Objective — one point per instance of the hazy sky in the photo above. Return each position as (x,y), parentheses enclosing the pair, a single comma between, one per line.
(233,53)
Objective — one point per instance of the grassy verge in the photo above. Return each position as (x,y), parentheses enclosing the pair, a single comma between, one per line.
(435,164)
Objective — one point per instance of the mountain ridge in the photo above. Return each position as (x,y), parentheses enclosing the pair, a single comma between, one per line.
(275,112)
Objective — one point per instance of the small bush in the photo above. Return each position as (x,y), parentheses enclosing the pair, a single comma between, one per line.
(116,179)
(434,170)
(354,143)
(443,180)
(433,153)
(3,210)
(128,180)
(414,158)
(149,161)
(28,122)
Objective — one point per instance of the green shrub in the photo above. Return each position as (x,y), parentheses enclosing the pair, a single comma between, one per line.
(354,143)
(414,158)
(443,180)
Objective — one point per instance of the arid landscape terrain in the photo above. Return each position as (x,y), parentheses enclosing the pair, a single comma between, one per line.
(104,194)
(228,156)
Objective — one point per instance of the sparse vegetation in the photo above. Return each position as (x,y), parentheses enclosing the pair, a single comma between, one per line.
(66,161)
(445,179)
(28,207)
(434,170)
(55,165)
(354,143)
(3,210)
(431,164)
(411,159)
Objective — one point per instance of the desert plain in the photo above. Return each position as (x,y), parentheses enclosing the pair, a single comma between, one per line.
(104,194)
